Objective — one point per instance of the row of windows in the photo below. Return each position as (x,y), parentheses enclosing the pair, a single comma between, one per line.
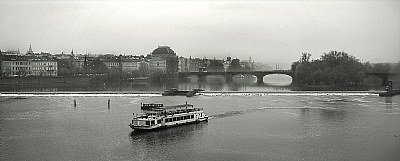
(179,118)
(29,63)
(33,73)
(33,68)
(170,119)
(20,68)
(20,63)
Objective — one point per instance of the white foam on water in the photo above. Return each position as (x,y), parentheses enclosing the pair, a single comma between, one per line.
(95,94)
(288,94)
(78,95)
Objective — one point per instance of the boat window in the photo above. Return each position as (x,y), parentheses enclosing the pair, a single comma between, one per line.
(158,121)
(152,122)
(147,122)
(175,118)
(191,116)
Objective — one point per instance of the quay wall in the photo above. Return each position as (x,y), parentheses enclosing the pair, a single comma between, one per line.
(45,80)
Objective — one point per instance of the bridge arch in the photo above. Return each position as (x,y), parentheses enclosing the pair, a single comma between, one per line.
(278,79)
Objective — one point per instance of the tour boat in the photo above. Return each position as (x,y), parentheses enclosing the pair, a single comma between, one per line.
(156,115)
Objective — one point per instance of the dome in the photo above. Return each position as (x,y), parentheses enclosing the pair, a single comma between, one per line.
(163,50)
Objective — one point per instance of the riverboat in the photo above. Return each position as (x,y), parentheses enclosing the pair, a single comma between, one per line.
(156,116)
(176,92)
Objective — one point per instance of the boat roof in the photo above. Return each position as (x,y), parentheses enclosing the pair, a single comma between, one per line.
(168,107)
(175,106)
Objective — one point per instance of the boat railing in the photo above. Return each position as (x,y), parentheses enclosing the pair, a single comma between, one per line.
(165,113)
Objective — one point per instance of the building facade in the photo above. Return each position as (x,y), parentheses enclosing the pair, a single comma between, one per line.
(24,66)
(42,67)
(167,54)
(158,64)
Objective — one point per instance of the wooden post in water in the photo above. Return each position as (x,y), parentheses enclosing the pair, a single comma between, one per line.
(74,103)
(108,103)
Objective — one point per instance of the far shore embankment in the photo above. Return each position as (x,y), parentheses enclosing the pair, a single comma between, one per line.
(45,80)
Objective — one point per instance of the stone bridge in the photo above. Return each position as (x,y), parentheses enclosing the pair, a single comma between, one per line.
(229,74)
(260,74)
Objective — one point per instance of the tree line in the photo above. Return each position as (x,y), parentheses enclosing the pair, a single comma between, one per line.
(336,68)
(234,66)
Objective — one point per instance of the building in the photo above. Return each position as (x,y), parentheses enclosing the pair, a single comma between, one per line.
(17,65)
(42,67)
(30,51)
(247,64)
(64,56)
(112,64)
(197,64)
(129,65)
(167,54)
(183,65)
(227,63)
(158,64)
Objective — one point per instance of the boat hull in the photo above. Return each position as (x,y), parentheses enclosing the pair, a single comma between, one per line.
(149,128)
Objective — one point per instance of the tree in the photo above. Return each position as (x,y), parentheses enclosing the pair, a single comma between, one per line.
(235,65)
(157,76)
(97,67)
(215,66)
(144,69)
(305,57)
(65,67)
(333,68)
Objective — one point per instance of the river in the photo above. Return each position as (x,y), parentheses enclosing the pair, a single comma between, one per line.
(338,126)
(277,124)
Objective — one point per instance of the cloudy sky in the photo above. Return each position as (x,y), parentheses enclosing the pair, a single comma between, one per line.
(268,31)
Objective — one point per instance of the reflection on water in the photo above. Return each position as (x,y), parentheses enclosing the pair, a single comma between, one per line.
(167,135)
(169,144)
(212,83)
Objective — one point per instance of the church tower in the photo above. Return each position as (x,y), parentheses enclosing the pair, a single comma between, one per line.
(30,50)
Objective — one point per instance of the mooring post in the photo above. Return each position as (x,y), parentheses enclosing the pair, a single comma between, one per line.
(74,103)
(108,103)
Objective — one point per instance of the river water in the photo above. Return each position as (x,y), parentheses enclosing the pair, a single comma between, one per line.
(337,126)
(277,124)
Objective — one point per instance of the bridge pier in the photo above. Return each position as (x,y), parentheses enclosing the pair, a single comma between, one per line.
(201,77)
(260,78)
(182,77)
(228,78)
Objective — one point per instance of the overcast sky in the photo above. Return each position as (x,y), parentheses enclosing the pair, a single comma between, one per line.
(268,31)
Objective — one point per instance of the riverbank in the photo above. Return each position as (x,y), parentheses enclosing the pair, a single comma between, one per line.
(45,80)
